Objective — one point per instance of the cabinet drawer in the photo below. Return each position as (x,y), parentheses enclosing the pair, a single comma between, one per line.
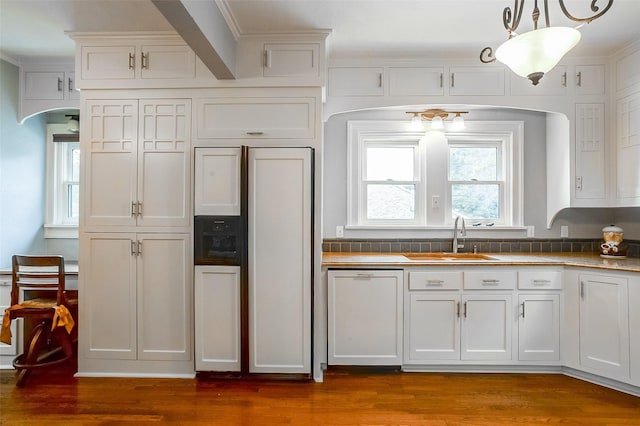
(539,280)
(266,118)
(490,280)
(435,280)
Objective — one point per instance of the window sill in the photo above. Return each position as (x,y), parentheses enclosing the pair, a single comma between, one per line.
(61,231)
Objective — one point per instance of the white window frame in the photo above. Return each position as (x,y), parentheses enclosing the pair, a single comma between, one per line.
(509,134)
(57,224)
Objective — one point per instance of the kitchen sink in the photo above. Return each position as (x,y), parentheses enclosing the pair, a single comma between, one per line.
(447,256)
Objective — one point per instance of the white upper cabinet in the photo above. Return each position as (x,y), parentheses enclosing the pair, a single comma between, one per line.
(589,79)
(217,181)
(264,117)
(476,81)
(365,81)
(416,81)
(47,86)
(590,154)
(137,162)
(291,60)
(553,83)
(627,66)
(628,144)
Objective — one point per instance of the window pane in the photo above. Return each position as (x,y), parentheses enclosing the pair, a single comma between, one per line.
(475,201)
(467,163)
(73,209)
(390,163)
(75,163)
(391,202)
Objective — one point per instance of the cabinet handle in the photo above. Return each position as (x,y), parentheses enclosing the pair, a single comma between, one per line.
(434,283)
(144,63)
(579,183)
(70,85)
(541,282)
(132,61)
(453,80)
(581,289)
(134,208)
(564,79)
(255,133)
(465,309)
(579,77)
(379,79)
(441,82)
(490,282)
(267,58)
(59,84)
(363,276)
(522,304)
(458,309)
(139,248)
(133,248)
(139,208)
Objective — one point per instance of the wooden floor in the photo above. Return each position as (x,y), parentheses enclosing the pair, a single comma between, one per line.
(345,398)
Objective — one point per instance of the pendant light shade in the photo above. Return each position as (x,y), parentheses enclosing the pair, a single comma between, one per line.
(536,52)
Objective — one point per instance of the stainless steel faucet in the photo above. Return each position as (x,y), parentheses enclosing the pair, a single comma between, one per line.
(462,232)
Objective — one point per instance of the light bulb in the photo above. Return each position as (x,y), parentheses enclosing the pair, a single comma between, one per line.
(436,123)
(458,123)
(416,123)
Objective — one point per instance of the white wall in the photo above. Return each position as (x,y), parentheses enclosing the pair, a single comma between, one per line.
(583,223)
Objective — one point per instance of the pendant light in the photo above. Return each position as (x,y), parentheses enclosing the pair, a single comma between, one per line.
(534,53)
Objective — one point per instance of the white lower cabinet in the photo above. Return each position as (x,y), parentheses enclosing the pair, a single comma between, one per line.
(135,297)
(486,327)
(434,326)
(365,317)
(217,318)
(604,325)
(634,328)
(539,327)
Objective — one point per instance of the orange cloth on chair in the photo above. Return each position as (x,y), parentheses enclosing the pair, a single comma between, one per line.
(61,317)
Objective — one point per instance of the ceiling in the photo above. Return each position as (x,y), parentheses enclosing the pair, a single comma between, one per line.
(391,28)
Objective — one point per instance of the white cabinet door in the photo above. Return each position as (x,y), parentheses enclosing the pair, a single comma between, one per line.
(72,93)
(291,60)
(590,180)
(174,61)
(264,118)
(164,297)
(217,318)
(628,142)
(365,317)
(356,81)
(487,327)
(604,325)
(217,181)
(590,79)
(539,327)
(476,81)
(280,194)
(416,81)
(164,181)
(137,176)
(108,62)
(107,305)
(109,162)
(434,326)
(634,328)
(44,85)
(553,83)
(16,335)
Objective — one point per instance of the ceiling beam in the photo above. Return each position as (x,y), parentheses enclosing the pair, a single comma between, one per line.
(202,26)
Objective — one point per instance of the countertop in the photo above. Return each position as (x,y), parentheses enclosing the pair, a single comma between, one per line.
(346,260)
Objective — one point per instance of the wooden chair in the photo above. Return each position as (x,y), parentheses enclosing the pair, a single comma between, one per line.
(31,275)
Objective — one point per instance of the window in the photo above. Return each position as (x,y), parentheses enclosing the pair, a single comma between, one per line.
(399,177)
(63,182)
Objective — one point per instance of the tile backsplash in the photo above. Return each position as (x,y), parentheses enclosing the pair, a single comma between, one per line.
(526,245)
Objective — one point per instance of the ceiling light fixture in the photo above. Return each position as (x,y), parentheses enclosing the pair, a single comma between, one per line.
(436,117)
(534,53)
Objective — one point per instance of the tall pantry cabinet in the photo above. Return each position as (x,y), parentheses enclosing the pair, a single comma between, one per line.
(135,243)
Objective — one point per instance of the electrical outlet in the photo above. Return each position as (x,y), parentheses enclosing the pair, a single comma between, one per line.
(531,231)
(435,202)
(564,231)
(339,231)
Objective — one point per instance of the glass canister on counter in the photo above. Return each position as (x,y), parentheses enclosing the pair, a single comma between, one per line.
(613,245)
